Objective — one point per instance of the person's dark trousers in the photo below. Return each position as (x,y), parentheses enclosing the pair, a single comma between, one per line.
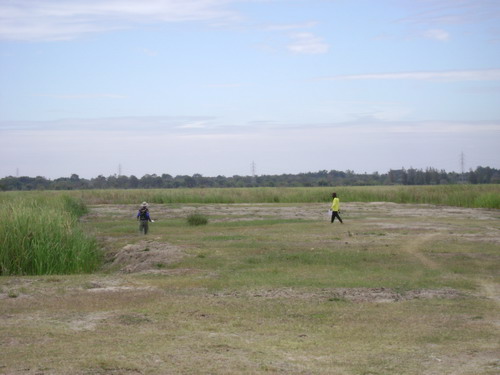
(335,214)
(144,226)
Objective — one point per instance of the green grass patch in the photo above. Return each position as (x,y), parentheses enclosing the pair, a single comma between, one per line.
(479,196)
(197,219)
(224,238)
(41,235)
(260,222)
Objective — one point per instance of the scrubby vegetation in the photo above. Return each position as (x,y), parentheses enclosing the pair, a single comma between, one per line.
(473,196)
(40,235)
(197,219)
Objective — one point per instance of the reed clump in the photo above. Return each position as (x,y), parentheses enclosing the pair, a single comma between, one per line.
(472,196)
(197,219)
(40,236)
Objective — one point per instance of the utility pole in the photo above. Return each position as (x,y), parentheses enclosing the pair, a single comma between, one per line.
(119,170)
(254,178)
(462,167)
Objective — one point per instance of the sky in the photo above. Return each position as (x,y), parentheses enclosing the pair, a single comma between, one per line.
(232,87)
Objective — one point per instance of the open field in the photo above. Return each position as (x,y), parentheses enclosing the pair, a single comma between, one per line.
(267,288)
(472,196)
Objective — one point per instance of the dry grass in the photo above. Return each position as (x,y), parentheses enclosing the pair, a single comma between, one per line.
(269,289)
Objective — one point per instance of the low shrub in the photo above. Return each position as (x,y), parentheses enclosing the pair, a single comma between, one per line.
(197,219)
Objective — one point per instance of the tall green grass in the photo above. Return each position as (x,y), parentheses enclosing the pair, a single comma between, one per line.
(40,235)
(473,196)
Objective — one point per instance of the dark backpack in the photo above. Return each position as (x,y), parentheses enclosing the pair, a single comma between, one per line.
(143,213)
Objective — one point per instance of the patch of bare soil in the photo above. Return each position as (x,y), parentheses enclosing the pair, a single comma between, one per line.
(111,371)
(375,295)
(414,247)
(472,362)
(86,321)
(389,295)
(377,211)
(146,256)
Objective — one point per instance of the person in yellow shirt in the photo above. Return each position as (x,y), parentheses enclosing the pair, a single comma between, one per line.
(336,208)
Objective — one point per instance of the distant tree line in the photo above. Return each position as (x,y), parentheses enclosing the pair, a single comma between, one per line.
(429,176)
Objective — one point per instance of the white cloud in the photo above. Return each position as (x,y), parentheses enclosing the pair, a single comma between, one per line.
(429,18)
(444,12)
(437,34)
(224,85)
(82,96)
(176,146)
(40,20)
(367,110)
(308,43)
(430,128)
(184,126)
(448,76)
(292,26)
(193,125)
(133,124)
(302,42)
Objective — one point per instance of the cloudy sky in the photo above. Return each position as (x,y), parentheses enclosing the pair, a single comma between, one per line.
(210,86)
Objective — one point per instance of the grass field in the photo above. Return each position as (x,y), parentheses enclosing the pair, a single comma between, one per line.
(473,196)
(266,288)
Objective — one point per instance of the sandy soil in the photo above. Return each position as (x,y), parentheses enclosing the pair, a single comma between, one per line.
(375,295)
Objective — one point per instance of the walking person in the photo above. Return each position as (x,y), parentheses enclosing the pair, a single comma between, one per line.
(335,208)
(144,218)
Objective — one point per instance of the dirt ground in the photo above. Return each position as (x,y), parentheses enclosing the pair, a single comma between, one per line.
(85,303)
(145,255)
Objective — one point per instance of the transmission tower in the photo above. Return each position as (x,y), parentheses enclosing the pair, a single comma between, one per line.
(462,167)
(254,178)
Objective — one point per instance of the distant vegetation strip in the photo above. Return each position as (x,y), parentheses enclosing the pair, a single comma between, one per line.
(429,176)
(40,235)
(473,196)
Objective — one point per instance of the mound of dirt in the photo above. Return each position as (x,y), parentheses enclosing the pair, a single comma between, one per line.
(146,256)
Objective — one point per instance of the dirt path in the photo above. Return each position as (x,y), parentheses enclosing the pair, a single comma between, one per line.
(490,290)
(415,246)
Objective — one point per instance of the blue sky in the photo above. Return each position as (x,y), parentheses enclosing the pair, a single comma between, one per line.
(210,86)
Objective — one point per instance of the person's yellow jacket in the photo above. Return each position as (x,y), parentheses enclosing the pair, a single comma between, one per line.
(336,204)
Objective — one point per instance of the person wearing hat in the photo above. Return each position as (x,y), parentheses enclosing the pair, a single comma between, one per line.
(144,218)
